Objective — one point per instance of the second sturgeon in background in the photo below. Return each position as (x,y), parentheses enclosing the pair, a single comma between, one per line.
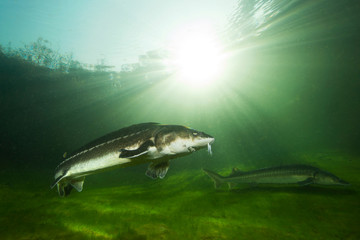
(288,174)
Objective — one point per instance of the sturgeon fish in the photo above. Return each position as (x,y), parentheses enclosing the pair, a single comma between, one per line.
(133,145)
(289,174)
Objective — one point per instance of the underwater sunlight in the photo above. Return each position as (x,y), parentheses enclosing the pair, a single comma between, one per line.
(196,55)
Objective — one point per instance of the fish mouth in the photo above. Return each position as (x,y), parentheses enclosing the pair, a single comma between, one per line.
(208,141)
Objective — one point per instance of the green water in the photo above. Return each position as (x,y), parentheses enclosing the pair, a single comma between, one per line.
(288,94)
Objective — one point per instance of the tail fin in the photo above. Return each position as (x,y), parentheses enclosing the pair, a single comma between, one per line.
(218,180)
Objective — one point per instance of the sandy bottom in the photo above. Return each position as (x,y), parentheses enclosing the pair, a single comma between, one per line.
(185,205)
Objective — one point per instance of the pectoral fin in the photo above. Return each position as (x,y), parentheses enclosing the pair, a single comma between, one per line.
(78,183)
(306,182)
(157,170)
(143,149)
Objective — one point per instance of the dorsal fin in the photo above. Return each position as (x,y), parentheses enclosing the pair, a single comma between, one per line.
(235,171)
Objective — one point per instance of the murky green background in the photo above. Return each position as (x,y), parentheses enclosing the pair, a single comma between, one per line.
(289,94)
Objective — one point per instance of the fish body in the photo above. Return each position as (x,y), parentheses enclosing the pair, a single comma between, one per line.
(137,144)
(289,174)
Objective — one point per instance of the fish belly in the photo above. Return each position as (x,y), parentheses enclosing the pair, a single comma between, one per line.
(98,164)
(281,179)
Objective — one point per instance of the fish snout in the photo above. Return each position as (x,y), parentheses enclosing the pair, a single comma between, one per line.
(206,137)
(342,182)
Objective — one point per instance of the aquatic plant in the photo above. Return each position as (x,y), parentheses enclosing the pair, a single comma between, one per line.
(42,53)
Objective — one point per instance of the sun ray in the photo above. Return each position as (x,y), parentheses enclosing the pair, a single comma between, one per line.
(196,56)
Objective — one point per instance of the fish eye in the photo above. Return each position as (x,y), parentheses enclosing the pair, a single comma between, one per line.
(195,133)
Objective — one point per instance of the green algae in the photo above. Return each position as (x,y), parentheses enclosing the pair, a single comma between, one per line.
(185,205)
